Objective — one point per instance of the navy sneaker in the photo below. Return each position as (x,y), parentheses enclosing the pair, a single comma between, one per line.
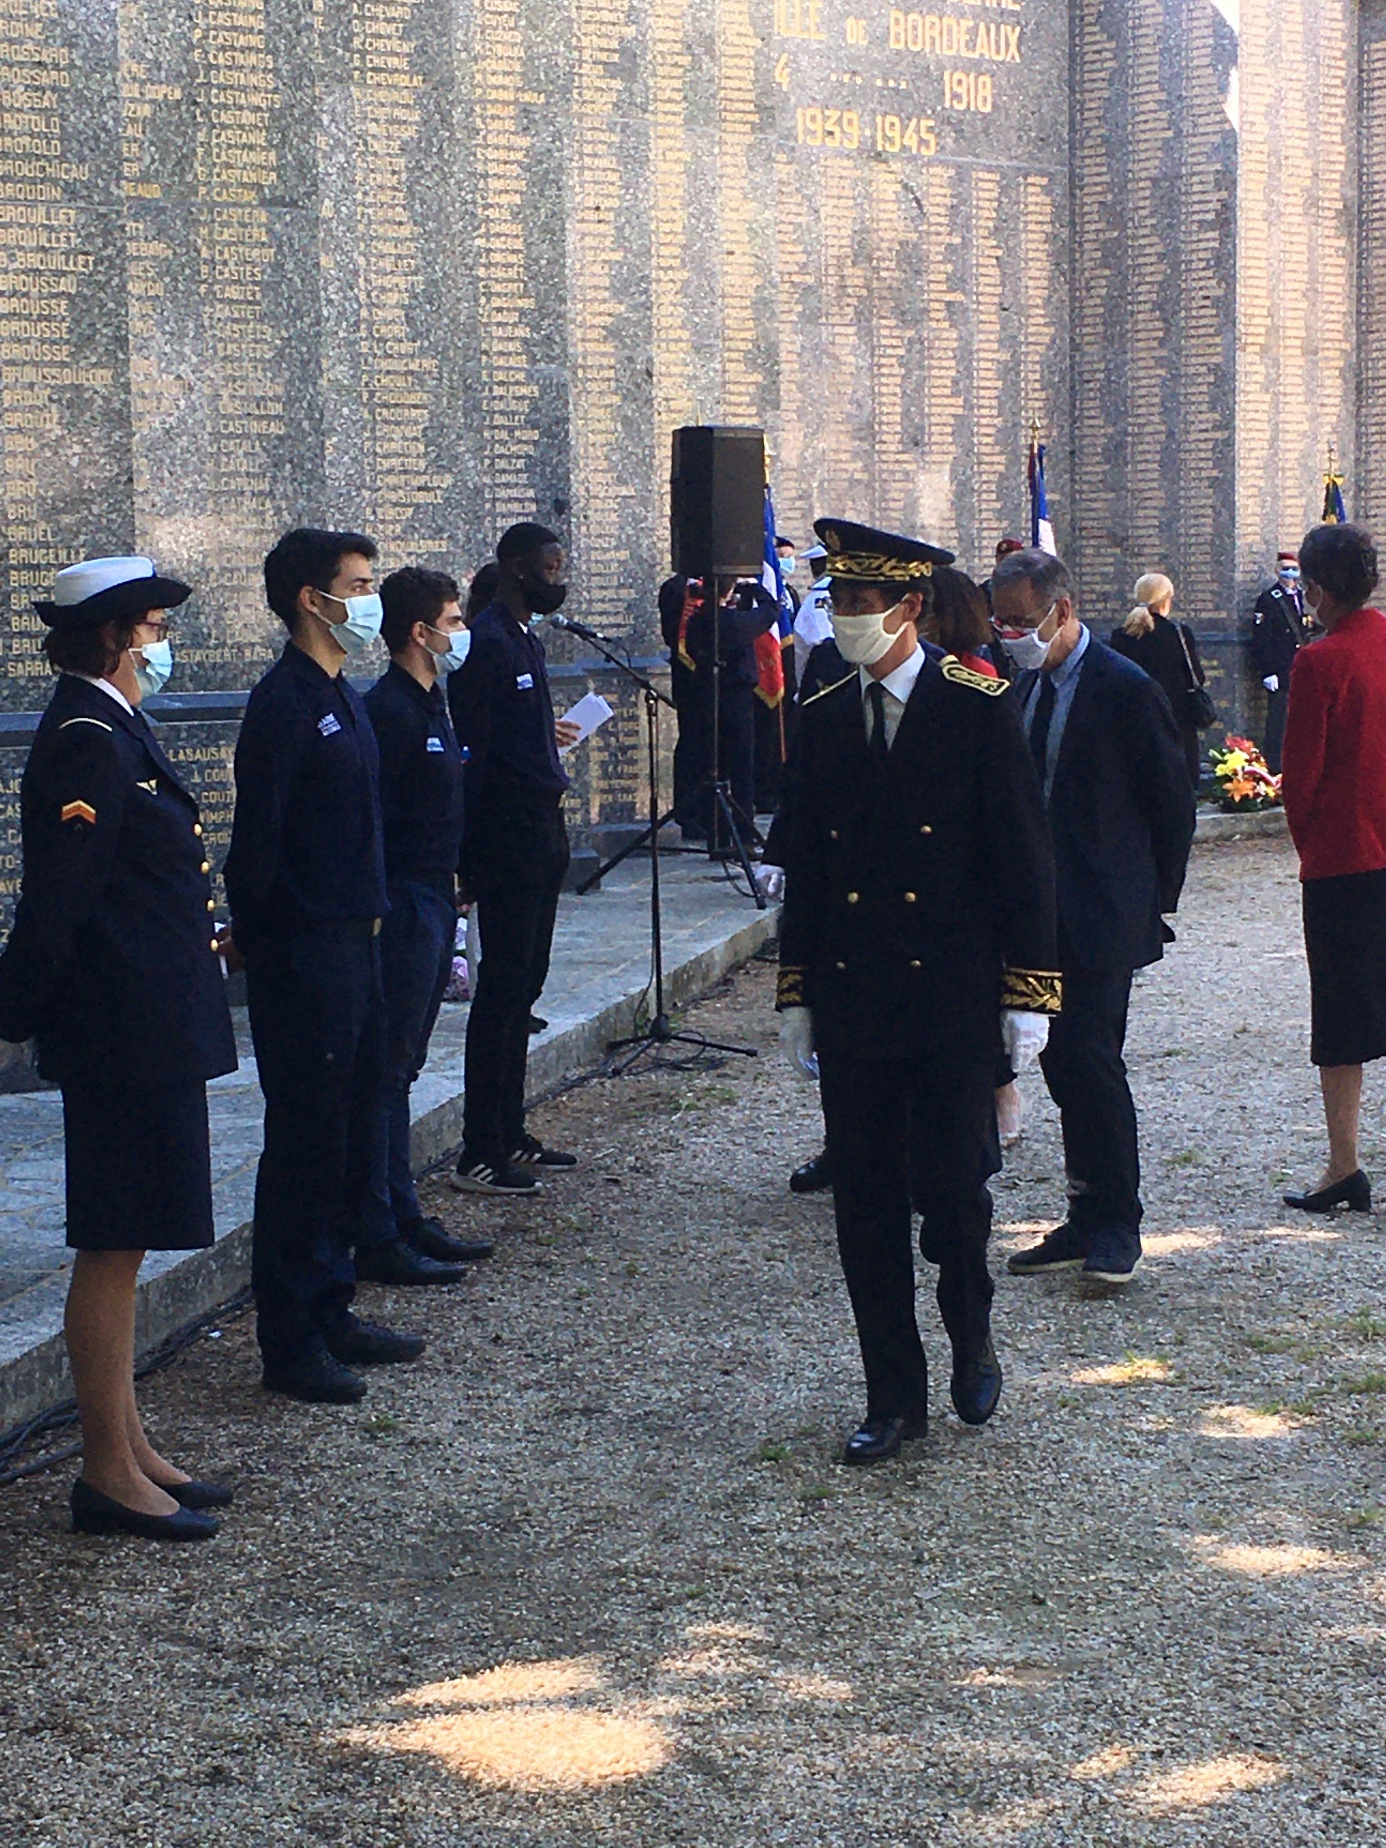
(1115,1256)
(1065,1248)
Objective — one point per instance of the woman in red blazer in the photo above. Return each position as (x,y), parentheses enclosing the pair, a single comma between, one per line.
(1335,801)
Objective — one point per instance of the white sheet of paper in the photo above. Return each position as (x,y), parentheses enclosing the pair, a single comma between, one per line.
(590,712)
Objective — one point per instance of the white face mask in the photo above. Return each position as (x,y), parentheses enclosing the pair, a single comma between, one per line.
(362,623)
(1028,653)
(153,664)
(459,642)
(863,640)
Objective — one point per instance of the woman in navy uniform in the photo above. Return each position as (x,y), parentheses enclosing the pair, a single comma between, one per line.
(917,942)
(113,966)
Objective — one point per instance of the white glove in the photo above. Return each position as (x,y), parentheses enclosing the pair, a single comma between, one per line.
(1271,683)
(770,882)
(796,1042)
(1025,1037)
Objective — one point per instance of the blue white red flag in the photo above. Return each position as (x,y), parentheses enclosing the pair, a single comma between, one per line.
(770,647)
(1041,531)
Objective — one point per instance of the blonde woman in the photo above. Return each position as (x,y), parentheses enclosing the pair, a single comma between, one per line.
(1168,653)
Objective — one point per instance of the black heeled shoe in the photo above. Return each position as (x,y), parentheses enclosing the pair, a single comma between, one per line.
(95,1513)
(200,1495)
(1355,1193)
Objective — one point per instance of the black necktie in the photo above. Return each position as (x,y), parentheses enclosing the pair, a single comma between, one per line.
(1039,727)
(880,744)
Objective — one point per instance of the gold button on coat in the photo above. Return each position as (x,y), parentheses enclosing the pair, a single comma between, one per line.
(211,904)
(852,897)
(926,829)
(214,945)
(916,965)
(909,898)
(206,866)
(197,829)
(832,834)
(842,965)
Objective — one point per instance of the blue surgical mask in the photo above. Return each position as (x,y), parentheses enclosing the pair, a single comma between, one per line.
(459,642)
(153,664)
(787,564)
(363,618)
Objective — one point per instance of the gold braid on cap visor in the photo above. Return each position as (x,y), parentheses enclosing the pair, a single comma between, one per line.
(877,567)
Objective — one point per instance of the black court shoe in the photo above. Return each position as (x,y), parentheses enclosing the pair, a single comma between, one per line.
(813,1176)
(879,1439)
(1355,1193)
(95,1513)
(200,1495)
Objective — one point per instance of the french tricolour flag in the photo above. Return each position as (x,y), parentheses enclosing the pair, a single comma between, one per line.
(1041,531)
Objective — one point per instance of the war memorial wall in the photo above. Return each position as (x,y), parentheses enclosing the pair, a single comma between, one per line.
(426,267)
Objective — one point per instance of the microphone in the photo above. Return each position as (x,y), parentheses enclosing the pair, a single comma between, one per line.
(560,621)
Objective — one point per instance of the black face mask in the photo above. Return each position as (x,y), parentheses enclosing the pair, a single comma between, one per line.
(542,598)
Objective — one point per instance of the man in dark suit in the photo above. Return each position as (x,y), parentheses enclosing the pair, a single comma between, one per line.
(1121,814)
(1279,629)
(917,939)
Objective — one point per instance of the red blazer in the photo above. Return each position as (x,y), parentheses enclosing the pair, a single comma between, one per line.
(1334,759)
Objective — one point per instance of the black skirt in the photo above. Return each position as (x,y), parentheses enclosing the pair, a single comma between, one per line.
(139,1171)
(1345,938)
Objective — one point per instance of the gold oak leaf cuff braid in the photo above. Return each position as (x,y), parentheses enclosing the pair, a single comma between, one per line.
(791,988)
(1032,991)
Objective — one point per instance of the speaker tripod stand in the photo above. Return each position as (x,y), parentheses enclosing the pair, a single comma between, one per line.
(659,1031)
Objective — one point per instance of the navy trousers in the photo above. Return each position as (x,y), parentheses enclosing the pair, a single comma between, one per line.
(416,943)
(1085,1070)
(902,1132)
(316,1017)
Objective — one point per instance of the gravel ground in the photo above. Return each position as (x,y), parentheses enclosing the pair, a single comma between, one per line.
(590,1572)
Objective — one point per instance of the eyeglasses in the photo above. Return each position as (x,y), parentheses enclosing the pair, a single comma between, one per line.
(153,631)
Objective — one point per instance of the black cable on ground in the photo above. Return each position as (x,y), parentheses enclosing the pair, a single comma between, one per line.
(19,1437)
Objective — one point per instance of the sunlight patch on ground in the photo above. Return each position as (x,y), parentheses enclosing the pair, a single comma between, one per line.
(1192,1238)
(513,1727)
(1109,1762)
(509,1683)
(533,1748)
(1135,1370)
(1005,1825)
(1265,1561)
(1305,1235)
(813,1688)
(1243,1421)
(1196,1786)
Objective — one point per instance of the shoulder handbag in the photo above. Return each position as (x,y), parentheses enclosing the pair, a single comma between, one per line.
(1199,710)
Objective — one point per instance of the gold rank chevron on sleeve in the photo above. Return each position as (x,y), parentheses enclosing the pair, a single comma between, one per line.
(1032,991)
(791,988)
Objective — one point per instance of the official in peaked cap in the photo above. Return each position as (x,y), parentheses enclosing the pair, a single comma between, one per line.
(918,936)
(112,965)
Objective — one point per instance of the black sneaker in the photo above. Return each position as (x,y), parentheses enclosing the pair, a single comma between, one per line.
(316,1379)
(491,1177)
(1065,1248)
(532,1154)
(367,1344)
(1115,1256)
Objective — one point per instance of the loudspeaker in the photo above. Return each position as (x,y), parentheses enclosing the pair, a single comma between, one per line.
(717,501)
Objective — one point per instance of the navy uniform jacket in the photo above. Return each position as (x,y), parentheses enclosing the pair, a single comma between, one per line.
(1121,813)
(1278,632)
(503,713)
(306,841)
(421,775)
(920,900)
(110,962)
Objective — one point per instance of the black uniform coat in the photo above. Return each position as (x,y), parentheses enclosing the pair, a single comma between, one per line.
(1278,632)
(1121,813)
(110,962)
(919,900)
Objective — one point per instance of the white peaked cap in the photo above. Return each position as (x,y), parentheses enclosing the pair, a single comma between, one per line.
(75,583)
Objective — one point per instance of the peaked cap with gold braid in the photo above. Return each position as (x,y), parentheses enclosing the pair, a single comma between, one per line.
(875,557)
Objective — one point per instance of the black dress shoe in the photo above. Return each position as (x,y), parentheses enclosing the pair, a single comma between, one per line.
(812,1177)
(398,1263)
(879,1439)
(1355,1193)
(976,1386)
(316,1379)
(200,1494)
(366,1344)
(95,1513)
(428,1236)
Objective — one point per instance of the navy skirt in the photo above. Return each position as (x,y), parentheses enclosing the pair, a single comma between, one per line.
(1345,940)
(139,1170)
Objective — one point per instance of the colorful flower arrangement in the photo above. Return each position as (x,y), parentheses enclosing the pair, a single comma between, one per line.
(1244,780)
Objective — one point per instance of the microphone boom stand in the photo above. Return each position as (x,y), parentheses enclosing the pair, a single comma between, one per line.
(659,1031)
